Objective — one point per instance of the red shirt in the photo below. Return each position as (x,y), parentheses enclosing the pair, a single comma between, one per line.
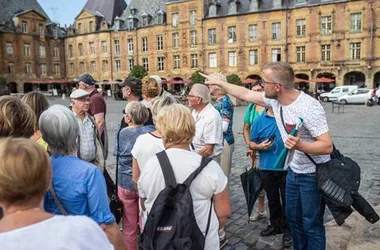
(98,104)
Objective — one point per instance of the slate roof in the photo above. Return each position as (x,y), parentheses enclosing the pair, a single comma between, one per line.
(149,7)
(10,8)
(109,9)
(264,5)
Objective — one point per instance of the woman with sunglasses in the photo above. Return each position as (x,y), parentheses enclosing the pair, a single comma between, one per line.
(252,112)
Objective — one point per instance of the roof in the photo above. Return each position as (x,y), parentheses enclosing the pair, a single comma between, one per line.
(264,5)
(8,9)
(148,7)
(109,9)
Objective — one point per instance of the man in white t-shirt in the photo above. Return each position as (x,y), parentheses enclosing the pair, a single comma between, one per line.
(208,139)
(304,205)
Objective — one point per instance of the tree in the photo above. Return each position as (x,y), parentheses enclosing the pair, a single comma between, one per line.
(197,78)
(3,81)
(3,85)
(139,72)
(234,79)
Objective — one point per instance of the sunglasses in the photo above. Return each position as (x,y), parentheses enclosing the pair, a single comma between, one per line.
(263,82)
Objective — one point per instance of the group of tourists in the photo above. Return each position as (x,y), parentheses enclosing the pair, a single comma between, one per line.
(54,195)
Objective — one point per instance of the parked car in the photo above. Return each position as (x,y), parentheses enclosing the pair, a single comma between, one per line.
(337,92)
(356,96)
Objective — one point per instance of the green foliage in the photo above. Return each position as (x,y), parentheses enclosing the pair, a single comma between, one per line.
(197,78)
(234,79)
(3,80)
(139,72)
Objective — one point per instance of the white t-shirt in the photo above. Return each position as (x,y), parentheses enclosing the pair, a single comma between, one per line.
(209,182)
(59,232)
(208,129)
(314,125)
(146,146)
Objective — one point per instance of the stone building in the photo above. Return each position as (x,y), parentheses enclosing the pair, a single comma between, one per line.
(337,39)
(31,48)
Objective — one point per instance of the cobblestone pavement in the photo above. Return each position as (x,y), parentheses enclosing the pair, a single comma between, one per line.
(355,132)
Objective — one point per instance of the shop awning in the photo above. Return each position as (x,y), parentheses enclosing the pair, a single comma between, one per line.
(322,80)
(57,81)
(172,81)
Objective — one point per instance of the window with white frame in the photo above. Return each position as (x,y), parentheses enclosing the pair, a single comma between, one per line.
(117,65)
(160,63)
(193,38)
(55,33)
(160,43)
(117,48)
(232,59)
(355,51)
(131,64)
(252,31)
(176,60)
(144,44)
(93,66)
(276,55)
(104,47)
(301,54)
(211,36)
(326,25)
(300,1)
(56,52)
(80,49)
(325,52)
(24,27)
(212,60)
(193,17)
(356,22)
(105,66)
(11,68)
(301,27)
(72,70)
(43,69)
(57,69)
(9,48)
(277,3)
(28,68)
(175,19)
(26,49)
(42,51)
(130,46)
(41,30)
(194,61)
(175,40)
(231,34)
(253,57)
(145,63)
(81,68)
(92,48)
(276,30)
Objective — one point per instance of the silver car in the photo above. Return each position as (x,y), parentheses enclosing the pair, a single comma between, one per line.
(360,95)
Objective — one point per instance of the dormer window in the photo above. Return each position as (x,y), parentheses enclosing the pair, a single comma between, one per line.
(232,8)
(55,33)
(41,30)
(161,17)
(117,24)
(130,24)
(277,3)
(24,27)
(254,5)
(132,10)
(212,10)
(145,20)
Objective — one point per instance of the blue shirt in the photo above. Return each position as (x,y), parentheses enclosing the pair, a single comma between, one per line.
(128,138)
(80,188)
(226,109)
(264,127)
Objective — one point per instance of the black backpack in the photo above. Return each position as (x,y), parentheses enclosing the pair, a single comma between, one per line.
(171,223)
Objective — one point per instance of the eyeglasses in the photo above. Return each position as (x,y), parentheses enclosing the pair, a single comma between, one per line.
(263,82)
(88,100)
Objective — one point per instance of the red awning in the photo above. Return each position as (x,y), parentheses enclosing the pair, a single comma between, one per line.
(298,80)
(322,80)
(172,81)
(249,80)
(58,81)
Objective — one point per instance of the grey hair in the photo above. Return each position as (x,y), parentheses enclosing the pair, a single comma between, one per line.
(138,112)
(220,77)
(59,129)
(160,102)
(202,91)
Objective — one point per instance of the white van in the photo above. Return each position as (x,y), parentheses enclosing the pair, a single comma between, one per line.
(337,91)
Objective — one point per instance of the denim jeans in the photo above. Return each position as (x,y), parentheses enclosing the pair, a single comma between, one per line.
(304,211)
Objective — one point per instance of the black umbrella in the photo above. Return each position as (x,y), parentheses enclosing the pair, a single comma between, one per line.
(251,183)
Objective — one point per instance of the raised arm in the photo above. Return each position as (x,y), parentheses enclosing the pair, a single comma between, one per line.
(236,91)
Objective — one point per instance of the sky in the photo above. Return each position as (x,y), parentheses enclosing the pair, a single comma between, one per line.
(64,11)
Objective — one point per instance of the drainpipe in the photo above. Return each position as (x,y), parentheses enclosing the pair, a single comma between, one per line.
(137,49)
(371,40)
(111,51)
(287,32)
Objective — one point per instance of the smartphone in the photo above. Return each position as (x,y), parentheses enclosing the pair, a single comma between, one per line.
(272,138)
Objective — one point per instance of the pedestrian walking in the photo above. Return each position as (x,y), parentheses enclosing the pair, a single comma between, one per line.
(304,204)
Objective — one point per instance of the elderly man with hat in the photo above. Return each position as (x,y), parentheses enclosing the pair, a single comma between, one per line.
(162,92)
(90,148)
(98,107)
